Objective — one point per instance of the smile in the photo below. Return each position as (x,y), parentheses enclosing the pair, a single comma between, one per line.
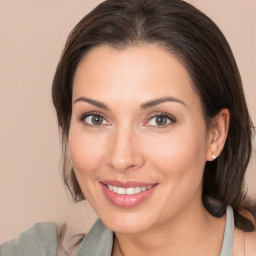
(127,191)
(127,194)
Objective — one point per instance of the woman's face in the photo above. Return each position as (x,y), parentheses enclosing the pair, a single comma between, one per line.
(137,139)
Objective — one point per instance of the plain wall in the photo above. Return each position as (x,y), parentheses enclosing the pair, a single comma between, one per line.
(32,36)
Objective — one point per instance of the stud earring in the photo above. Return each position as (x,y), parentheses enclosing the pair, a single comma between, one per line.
(214,157)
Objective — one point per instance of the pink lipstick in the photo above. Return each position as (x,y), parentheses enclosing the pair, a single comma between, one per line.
(127,194)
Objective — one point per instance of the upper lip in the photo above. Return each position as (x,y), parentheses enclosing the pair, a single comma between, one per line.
(126,184)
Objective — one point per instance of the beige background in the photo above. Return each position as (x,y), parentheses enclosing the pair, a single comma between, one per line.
(32,36)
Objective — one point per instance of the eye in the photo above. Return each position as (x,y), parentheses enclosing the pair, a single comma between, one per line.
(160,120)
(94,119)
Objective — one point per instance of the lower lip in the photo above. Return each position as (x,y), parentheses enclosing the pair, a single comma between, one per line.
(127,201)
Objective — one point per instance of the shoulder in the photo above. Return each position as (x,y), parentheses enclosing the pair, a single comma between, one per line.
(41,237)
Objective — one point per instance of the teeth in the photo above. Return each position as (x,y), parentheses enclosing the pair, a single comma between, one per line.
(127,191)
(137,190)
(143,189)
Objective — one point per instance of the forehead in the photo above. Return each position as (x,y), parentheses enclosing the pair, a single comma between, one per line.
(138,72)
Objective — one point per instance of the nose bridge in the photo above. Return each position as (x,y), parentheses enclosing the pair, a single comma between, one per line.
(124,152)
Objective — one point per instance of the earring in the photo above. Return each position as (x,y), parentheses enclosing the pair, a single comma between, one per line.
(214,157)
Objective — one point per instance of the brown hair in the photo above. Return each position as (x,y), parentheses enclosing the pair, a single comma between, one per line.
(202,48)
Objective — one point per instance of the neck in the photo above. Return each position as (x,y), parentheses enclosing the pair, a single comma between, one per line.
(193,232)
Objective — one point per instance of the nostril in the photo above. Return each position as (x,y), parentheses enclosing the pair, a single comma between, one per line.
(124,153)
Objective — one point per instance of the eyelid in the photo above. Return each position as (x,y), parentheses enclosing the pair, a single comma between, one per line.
(83,116)
(172,119)
(161,114)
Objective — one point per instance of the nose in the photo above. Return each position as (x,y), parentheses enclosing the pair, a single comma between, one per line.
(124,153)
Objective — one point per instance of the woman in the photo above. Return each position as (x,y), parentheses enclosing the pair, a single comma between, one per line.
(156,131)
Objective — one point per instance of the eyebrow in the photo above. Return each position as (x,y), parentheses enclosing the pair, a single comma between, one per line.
(155,102)
(92,102)
(146,105)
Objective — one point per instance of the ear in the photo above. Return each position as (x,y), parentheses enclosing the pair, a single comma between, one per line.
(218,132)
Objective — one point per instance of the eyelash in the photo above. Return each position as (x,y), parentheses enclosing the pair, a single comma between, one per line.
(171,119)
(85,115)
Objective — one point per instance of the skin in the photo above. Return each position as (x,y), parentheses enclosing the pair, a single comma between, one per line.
(131,145)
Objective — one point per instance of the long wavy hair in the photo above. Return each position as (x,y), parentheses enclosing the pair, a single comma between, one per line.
(199,44)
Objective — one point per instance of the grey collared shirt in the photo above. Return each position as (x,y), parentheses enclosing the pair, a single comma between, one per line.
(41,240)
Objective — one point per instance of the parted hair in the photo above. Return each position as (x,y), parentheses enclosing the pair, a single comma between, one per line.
(198,43)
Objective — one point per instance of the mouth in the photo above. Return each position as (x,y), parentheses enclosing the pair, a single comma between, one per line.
(127,194)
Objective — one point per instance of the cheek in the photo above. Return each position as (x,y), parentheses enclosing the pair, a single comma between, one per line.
(84,150)
(181,153)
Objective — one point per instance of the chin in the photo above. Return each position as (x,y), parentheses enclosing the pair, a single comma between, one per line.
(129,223)
(131,227)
